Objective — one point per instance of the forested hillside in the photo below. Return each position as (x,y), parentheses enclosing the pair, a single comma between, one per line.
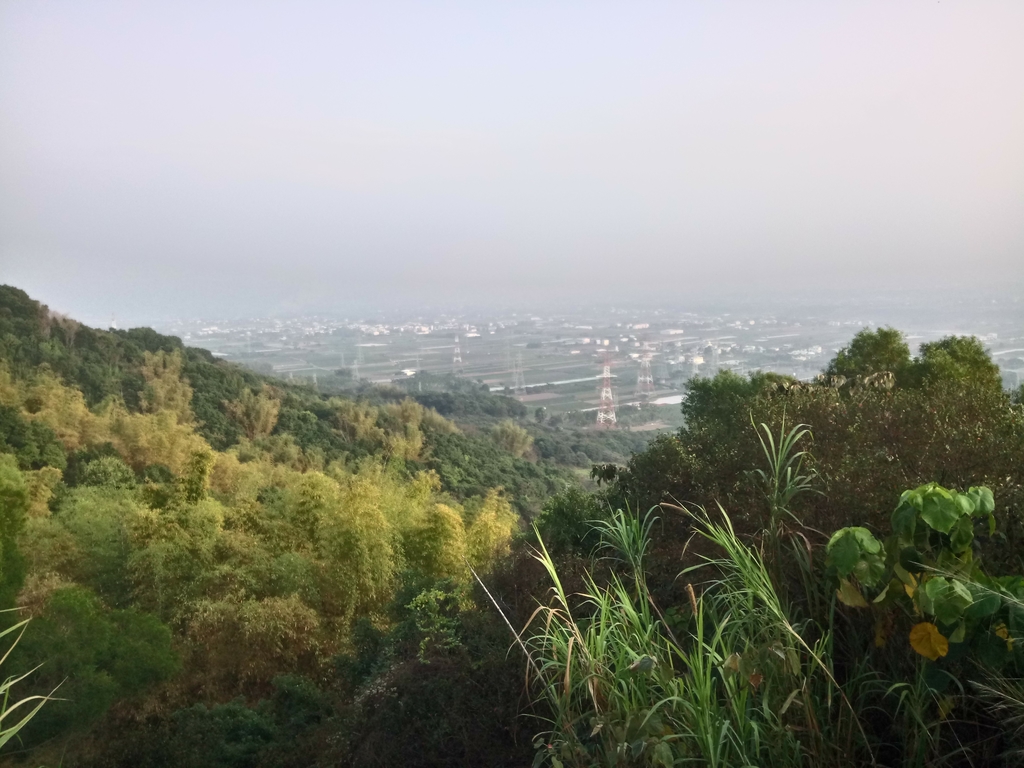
(224,570)
(184,532)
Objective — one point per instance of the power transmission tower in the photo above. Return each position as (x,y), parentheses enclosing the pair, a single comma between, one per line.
(358,362)
(457,358)
(645,379)
(518,378)
(606,411)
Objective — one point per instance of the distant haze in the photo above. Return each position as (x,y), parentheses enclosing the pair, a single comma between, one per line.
(215,157)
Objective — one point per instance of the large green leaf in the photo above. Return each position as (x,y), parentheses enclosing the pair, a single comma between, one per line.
(663,755)
(964,503)
(939,510)
(984,501)
(868,543)
(914,498)
(962,534)
(945,598)
(856,550)
(985,603)
(1012,585)
(904,521)
(869,570)
(843,552)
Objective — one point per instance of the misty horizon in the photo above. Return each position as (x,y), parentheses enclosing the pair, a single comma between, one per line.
(229,160)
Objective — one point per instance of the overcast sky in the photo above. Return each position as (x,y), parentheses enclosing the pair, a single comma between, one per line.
(173,158)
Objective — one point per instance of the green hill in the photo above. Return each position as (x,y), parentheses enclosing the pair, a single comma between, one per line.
(183,531)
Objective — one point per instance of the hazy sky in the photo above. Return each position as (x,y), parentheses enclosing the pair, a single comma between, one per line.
(176,158)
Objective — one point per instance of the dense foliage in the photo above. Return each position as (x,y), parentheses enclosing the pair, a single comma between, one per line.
(221,569)
(853,596)
(198,546)
(872,439)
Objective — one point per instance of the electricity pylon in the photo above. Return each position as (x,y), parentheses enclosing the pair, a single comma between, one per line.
(645,379)
(518,378)
(606,411)
(457,358)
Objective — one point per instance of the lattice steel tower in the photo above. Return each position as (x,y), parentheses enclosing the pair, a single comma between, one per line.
(457,358)
(645,379)
(518,378)
(606,411)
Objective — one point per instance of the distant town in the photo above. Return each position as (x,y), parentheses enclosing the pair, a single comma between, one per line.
(556,361)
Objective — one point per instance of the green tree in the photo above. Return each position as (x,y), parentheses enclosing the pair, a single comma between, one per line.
(872,352)
(195,477)
(566,524)
(957,358)
(721,398)
(107,472)
(32,442)
(14,503)
(100,521)
(97,656)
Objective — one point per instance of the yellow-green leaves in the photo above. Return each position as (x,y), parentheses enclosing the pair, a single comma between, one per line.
(510,437)
(490,533)
(166,388)
(437,545)
(926,639)
(255,413)
(849,595)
